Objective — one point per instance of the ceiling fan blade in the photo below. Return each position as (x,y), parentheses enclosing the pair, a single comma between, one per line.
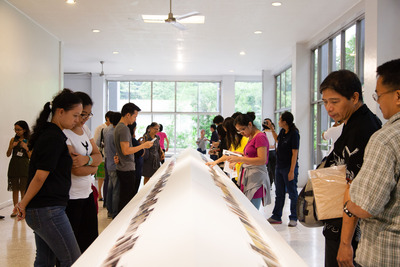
(195,13)
(178,25)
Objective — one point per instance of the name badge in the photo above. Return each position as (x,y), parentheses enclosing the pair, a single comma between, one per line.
(20,154)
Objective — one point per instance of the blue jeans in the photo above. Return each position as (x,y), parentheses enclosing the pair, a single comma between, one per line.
(112,194)
(281,185)
(53,236)
(256,202)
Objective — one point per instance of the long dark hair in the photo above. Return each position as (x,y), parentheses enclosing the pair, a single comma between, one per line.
(25,127)
(132,128)
(221,132)
(232,137)
(66,100)
(288,118)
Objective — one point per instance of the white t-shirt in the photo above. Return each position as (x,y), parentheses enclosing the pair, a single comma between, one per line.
(271,140)
(81,186)
(333,133)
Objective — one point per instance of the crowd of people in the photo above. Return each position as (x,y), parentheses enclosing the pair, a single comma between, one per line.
(368,232)
(53,167)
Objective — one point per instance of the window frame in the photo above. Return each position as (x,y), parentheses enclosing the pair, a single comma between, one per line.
(278,110)
(316,102)
(174,113)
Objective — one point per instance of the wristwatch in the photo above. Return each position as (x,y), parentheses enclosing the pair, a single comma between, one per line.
(90,161)
(348,213)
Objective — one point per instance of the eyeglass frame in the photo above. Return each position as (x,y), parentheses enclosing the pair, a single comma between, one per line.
(376,97)
(87,116)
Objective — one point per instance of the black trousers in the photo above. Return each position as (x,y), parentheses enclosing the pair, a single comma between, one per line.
(332,241)
(82,214)
(129,186)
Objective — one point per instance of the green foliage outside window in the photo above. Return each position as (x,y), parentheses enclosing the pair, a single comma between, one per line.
(248,97)
(183,108)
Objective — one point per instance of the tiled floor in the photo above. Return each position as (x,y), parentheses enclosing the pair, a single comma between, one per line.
(17,245)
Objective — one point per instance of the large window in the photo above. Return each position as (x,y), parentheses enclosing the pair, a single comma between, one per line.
(183,108)
(248,97)
(343,50)
(283,91)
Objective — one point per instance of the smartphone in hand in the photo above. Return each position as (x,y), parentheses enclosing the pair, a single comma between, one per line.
(154,139)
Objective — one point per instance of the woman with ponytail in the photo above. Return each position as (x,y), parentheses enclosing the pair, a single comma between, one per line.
(253,176)
(287,167)
(49,181)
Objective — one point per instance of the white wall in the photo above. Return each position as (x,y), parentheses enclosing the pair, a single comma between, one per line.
(30,76)
(83,83)
(382,41)
(301,109)
(268,80)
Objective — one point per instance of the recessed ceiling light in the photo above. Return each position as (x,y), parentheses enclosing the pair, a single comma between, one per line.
(258,32)
(95,30)
(276,3)
(70,2)
(130,69)
(115,52)
(179,66)
(231,71)
(242,53)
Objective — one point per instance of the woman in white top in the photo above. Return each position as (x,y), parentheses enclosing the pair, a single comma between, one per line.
(81,209)
(333,133)
(272,154)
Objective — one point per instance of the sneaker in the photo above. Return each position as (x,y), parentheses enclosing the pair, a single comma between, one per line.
(273,221)
(292,223)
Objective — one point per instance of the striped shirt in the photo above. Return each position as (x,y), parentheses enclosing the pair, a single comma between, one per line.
(376,190)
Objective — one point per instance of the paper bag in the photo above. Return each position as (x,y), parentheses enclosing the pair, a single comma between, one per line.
(329,185)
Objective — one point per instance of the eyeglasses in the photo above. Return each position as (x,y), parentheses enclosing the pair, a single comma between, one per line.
(86,116)
(240,131)
(376,97)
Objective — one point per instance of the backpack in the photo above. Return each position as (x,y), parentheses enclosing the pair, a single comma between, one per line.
(305,206)
(306,212)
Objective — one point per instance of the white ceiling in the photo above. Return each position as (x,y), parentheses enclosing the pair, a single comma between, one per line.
(206,49)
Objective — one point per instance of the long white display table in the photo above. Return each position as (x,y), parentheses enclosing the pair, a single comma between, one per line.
(189,215)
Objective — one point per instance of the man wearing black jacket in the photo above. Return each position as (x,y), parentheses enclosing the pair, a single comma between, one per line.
(342,96)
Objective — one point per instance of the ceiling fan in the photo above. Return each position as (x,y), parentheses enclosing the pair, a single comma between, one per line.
(102,72)
(174,21)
